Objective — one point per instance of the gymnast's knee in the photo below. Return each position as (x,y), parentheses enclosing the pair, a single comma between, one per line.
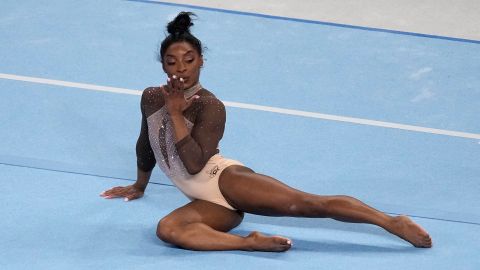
(309,206)
(176,233)
(167,230)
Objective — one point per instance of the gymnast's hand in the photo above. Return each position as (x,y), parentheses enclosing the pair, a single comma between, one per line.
(174,96)
(129,193)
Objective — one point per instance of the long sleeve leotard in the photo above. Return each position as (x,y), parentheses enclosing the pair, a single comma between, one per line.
(183,161)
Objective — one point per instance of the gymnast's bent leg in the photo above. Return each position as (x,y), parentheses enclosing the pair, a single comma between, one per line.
(259,194)
(202,225)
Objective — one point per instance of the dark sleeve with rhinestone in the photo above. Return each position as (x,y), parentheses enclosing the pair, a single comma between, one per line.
(145,157)
(202,143)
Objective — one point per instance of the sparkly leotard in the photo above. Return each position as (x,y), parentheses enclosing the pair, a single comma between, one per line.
(193,164)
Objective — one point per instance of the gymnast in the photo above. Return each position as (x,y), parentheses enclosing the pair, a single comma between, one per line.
(182,124)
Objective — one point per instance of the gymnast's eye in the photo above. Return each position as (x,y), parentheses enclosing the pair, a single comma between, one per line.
(169,60)
(189,57)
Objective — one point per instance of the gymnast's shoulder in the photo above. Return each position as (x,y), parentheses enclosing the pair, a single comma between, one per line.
(207,98)
(152,95)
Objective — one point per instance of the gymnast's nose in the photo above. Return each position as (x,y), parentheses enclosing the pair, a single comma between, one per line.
(181,68)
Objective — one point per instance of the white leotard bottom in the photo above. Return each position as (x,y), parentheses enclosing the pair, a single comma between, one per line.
(204,185)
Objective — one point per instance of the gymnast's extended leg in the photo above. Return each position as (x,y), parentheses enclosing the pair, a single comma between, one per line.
(263,195)
(202,225)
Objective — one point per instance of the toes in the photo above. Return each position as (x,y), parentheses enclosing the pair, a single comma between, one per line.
(426,242)
(282,240)
(285,243)
(429,243)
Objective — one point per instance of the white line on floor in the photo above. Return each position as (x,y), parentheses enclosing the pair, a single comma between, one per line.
(331,117)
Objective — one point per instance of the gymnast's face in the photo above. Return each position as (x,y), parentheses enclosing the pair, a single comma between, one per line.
(184,61)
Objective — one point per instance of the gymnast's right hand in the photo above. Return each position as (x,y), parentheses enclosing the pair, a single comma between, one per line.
(129,193)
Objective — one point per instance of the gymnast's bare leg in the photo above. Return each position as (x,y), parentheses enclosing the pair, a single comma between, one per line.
(254,193)
(202,225)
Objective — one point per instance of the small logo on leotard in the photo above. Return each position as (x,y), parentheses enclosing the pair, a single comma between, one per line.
(213,171)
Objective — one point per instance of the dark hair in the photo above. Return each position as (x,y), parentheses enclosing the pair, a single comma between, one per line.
(179,31)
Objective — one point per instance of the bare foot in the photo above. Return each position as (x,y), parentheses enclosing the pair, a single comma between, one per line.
(405,228)
(261,242)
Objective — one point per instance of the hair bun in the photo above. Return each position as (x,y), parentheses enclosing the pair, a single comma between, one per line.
(180,24)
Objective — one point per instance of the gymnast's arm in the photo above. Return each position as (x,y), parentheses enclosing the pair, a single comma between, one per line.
(196,148)
(145,164)
(145,157)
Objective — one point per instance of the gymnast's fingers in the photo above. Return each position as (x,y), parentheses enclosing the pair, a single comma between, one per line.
(174,83)
(181,85)
(163,88)
(169,87)
(113,192)
(109,191)
(133,196)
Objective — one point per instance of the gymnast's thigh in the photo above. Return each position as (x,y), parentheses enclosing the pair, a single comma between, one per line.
(199,211)
(258,194)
